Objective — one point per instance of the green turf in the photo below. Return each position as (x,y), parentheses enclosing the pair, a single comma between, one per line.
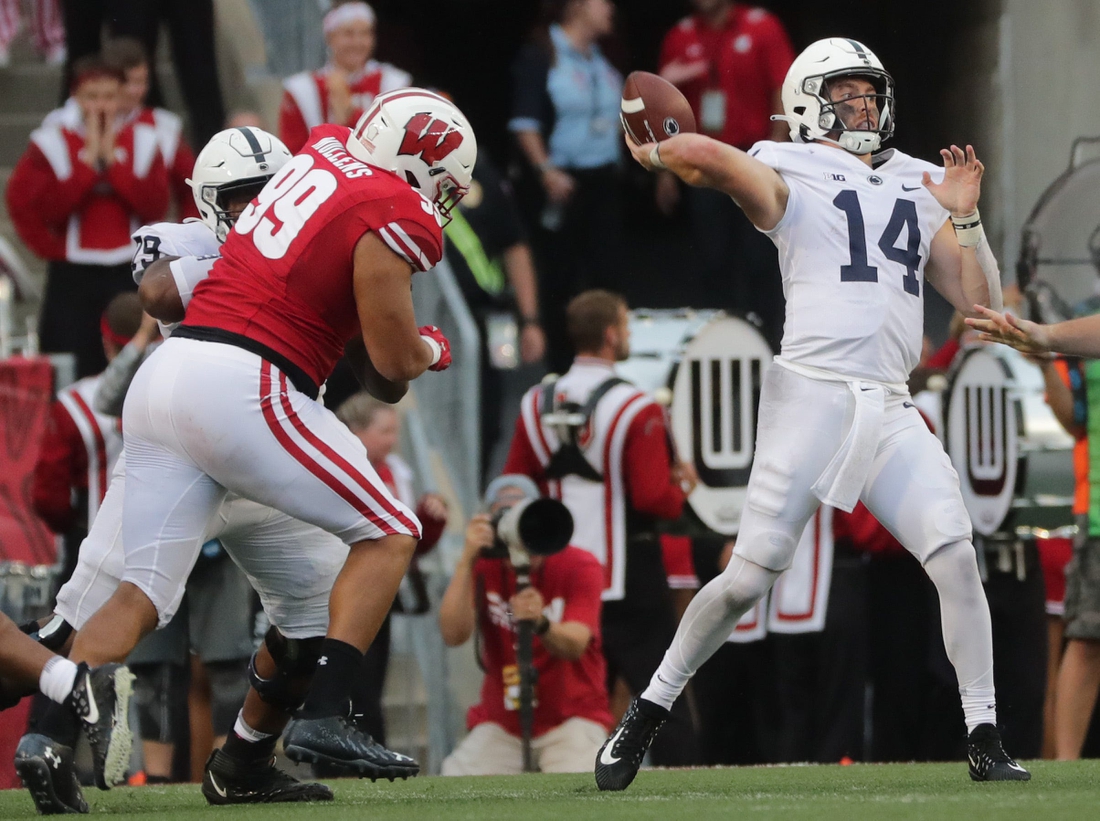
(940,792)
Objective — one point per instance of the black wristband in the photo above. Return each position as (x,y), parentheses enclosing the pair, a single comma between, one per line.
(542,626)
(524,321)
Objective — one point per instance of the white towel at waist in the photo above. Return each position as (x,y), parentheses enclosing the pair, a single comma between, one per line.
(842,481)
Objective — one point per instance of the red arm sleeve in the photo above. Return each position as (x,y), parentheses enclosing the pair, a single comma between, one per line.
(646,461)
(182,166)
(148,196)
(62,464)
(521,456)
(292,125)
(582,598)
(40,204)
(431,529)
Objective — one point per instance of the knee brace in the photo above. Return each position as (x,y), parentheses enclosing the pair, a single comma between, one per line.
(228,687)
(295,659)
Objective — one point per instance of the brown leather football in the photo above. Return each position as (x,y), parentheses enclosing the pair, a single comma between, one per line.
(653,109)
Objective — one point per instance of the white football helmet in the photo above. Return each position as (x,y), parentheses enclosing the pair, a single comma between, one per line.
(234,159)
(424,139)
(810,111)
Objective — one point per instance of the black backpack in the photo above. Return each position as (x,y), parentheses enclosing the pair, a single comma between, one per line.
(568,419)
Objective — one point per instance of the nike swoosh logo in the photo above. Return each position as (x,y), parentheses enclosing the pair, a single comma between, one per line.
(1017,767)
(218,788)
(605,757)
(93,708)
(908,405)
(907,188)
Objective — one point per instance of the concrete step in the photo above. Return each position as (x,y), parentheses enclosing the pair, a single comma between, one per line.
(29,88)
(15,131)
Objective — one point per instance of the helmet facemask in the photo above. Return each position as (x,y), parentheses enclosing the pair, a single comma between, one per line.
(832,114)
(450,194)
(217,199)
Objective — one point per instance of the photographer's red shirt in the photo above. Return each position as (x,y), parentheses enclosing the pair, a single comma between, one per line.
(571,583)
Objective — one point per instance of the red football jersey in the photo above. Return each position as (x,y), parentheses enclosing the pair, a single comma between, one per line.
(285,276)
(571,583)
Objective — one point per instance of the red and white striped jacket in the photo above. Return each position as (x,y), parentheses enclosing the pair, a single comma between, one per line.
(626,444)
(78,453)
(64,209)
(305,100)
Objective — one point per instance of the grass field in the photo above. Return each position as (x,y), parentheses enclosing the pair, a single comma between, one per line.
(940,792)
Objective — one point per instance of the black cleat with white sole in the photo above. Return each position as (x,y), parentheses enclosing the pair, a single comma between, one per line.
(101,700)
(337,741)
(988,759)
(621,755)
(228,780)
(47,771)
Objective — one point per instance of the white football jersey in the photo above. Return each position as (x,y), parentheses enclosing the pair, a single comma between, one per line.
(171,239)
(192,240)
(853,244)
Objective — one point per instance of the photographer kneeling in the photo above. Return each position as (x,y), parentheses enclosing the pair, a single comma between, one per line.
(517,574)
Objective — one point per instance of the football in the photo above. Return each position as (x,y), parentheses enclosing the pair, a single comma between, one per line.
(653,109)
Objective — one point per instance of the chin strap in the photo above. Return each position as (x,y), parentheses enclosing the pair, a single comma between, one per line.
(813,138)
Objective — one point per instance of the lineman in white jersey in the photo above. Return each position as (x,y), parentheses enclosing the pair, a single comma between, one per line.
(860,235)
(228,173)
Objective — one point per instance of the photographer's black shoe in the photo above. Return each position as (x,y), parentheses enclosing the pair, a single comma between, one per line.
(621,755)
(47,771)
(988,759)
(101,700)
(337,741)
(229,781)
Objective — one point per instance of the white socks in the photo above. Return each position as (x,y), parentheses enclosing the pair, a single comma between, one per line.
(967,630)
(57,679)
(707,623)
(242,729)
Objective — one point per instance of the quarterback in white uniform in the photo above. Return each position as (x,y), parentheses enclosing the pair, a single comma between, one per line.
(305,559)
(860,235)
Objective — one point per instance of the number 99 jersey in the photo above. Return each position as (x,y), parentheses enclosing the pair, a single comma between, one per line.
(285,276)
(853,244)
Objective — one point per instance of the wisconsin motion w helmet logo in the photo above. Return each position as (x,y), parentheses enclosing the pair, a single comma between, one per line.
(429,138)
(986,438)
(982,438)
(725,394)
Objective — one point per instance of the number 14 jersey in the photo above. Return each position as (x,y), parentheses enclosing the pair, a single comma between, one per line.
(285,276)
(853,245)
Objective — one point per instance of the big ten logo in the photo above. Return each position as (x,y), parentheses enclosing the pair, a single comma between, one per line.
(725,396)
(987,430)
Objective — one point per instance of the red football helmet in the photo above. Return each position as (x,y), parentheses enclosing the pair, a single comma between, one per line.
(424,139)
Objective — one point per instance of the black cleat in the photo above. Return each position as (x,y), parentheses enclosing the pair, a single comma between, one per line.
(988,759)
(47,771)
(101,700)
(621,755)
(228,780)
(337,741)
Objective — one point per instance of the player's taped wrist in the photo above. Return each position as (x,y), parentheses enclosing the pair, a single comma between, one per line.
(655,158)
(968,229)
(436,349)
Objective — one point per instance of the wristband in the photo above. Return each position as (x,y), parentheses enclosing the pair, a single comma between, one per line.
(524,321)
(437,349)
(655,157)
(542,626)
(968,229)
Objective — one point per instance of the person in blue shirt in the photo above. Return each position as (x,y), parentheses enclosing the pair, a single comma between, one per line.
(565,117)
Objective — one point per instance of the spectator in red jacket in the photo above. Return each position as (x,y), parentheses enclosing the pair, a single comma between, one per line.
(346,86)
(730,60)
(77,193)
(128,55)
